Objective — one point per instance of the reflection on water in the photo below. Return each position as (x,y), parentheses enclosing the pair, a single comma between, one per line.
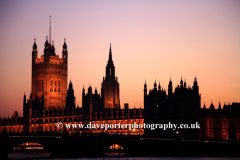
(28,155)
(46,156)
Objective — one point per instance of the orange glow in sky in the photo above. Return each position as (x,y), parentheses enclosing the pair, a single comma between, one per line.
(151,40)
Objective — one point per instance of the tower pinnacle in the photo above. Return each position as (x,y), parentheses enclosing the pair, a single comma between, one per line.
(50,30)
(110,54)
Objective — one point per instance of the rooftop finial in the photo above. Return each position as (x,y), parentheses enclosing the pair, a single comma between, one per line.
(110,53)
(50,30)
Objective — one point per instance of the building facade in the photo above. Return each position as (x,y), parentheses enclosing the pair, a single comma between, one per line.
(183,106)
(51,102)
(49,76)
(110,86)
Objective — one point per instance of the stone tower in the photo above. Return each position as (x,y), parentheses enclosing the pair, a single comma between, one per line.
(110,86)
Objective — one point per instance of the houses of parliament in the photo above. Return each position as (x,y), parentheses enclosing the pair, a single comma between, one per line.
(52,100)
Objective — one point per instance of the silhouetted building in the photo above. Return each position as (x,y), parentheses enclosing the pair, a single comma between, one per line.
(110,86)
(51,102)
(183,107)
(178,107)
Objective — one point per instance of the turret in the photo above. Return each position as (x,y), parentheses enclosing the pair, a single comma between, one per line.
(170,88)
(96,92)
(155,86)
(181,83)
(70,97)
(46,43)
(65,52)
(47,50)
(159,86)
(145,89)
(195,86)
(83,91)
(34,51)
(89,89)
(211,106)
(53,49)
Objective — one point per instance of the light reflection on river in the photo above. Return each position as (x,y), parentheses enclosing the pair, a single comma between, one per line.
(45,156)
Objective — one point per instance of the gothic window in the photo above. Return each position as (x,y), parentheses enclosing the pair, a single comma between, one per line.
(59,86)
(110,71)
(51,86)
(55,86)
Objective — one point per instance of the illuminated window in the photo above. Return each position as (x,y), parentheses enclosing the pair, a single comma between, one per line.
(55,86)
(51,86)
(59,86)
(110,71)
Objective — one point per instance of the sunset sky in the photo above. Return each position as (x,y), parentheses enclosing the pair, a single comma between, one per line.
(151,40)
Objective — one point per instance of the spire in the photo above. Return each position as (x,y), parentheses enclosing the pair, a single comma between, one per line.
(70,85)
(159,86)
(50,30)
(195,81)
(219,106)
(110,54)
(145,85)
(155,84)
(46,43)
(170,82)
(95,90)
(34,45)
(83,90)
(204,106)
(181,82)
(110,69)
(211,106)
(64,45)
